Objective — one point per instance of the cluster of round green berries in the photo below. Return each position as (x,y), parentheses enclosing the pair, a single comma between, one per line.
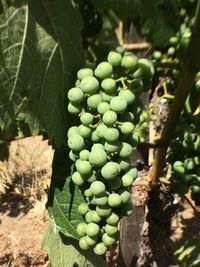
(107,101)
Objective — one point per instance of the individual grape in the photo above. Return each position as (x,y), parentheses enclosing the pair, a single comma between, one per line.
(103,70)
(178,167)
(171,51)
(73,130)
(118,104)
(98,157)
(129,62)
(124,194)
(83,243)
(100,249)
(189,164)
(103,107)
(135,139)
(174,40)
(91,240)
(93,101)
(114,200)
(95,137)
(126,150)
(110,170)
(133,172)
(101,129)
(112,147)
(157,55)
(76,142)
(81,229)
(107,97)
(114,58)
(88,193)
(103,211)
(124,164)
(127,180)
(85,72)
(83,167)
(147,68)
(97,146)
(111,134)
(73,156)
(84,154)
(92,178)
(115,183)
(110,229)
(108,85)
(108,240)
(85,131)
(74,108)
(75,95)
(89,85)
(127,127)
(83,208)
(137,74)
(109,118)
(101,200)
(95,217)
(113,219)
(97,188)
(128,95)
(87,118)
(77,179)
(88,216)
(92,229)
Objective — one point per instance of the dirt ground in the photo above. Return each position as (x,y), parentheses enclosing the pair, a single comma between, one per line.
(23,183)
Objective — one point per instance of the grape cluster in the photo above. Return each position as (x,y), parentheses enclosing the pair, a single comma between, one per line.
(107,101)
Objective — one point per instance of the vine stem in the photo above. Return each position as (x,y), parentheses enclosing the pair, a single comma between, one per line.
(189,67)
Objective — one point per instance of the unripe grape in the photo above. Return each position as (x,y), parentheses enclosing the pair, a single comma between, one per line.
(75,95)
(87,118)
(93,101)
(89,85)
(74,108)
(95,137)
(113,219)
(112,147)
(81,229)
(84,154)
(110,229)
(189,164)
(83,243)
(98,157)
(97,146)
(111,134)
(101,129)
(108,240)
(110,170)
(91,240)
(157,55)
(83,167)
(126,150)
(178,167)
(127,127)
(129,62)
(76,142)
(101,200)
(118,104)
(103,70)
(124,164)
(88,216)
(124,194)
(114,200)
(73,130)
(137,74)
(95,217)
(100,249)
(88,193)
(107,97)
(73,156)
(103,107)
(85,72)
(83,208)
(104,211)
(132,172)
(134,139)
(109,118)
(77,179)
(128,95)
(92,229)
(85,131)
(127,180)
(174,40)
(97,188)
(108,85)
(171,51)
(147,68)
(114,58)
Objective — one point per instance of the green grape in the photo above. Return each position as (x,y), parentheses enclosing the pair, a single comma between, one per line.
(89,85)
(74,108)
(137,74)
(171,51)
(113,219)
(95,137)
(115,183)
(88,193)
(112,147)
(76,142)
(77,83)
(81,229)
(100,249)
(92,229)
(127,180)
(129,61)
(114,200)
(103,107)
(127,116)
(110,170)
(95,217)
(85,72)
(84,154)
(120,50)
(118,104)
(107,97)
(197,160)
(87,118)
(83,243)
(92,178)
(77,179)
(101,200)
(98,157)
(127,127)
(75,95)
(178,167)
(97,188)
(126,150)
(147,67)
(157,55)
(72,156)
(195,189)
(189,164)
(174,40)
(108,85)
(101,129)
(97,146)
(124,164)
(114,58)
(135,139)
(109,118)
(132,172)
(103,211)
(128,95)
(85,131)
(93,101)
(111,134)
(91,240)
(110,229)
(84,167)
(124,194)
(73,130)
(108,240)
(83,208)
(88,217)
(103,70)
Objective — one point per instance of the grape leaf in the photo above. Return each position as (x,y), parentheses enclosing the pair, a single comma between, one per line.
(65,251)
(41,50)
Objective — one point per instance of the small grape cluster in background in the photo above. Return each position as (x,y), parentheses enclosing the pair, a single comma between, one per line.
(107,100)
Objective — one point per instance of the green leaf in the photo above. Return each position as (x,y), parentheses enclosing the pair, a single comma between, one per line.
(65,252)
(64,197)
(41,50)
